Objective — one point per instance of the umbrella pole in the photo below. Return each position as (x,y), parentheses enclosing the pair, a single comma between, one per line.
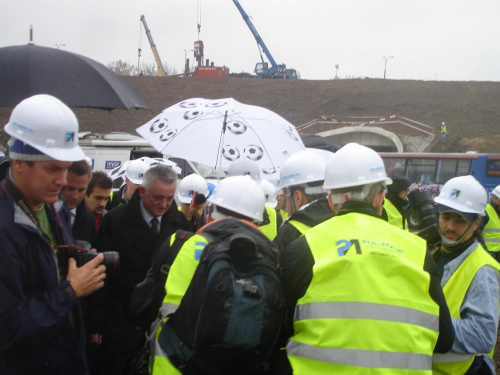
(221,142)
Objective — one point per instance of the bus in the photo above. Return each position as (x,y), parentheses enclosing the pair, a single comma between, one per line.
(429,171)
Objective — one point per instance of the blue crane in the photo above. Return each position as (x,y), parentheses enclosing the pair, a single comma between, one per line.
(262,69)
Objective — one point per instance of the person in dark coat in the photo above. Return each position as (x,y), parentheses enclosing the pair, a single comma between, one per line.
(396,201)
(130,230)
(73,194)
(41,329)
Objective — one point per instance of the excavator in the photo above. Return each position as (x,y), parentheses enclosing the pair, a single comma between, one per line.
(262,69)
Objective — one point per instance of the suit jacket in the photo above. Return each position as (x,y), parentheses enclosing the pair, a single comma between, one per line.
(83,227)
(124,230)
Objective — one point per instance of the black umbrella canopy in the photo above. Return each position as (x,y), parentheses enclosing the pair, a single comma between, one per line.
(76,80)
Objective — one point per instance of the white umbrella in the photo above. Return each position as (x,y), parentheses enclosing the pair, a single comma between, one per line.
(118,172)
(217,132)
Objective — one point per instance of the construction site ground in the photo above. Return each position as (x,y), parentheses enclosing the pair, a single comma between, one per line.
(471,110)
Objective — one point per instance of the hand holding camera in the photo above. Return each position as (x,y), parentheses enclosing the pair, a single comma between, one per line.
(89,277)
(87,268)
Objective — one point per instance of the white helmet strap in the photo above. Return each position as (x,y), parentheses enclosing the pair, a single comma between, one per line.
(447,243)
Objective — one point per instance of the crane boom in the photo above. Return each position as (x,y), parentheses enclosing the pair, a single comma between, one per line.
(255,33)
(161,69)
(262,70)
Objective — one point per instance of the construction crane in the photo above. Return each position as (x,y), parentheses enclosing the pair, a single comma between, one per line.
(161,70)
(262,69)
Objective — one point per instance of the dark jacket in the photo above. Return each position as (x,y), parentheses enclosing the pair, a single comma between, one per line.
(124,230)
(40,317)
(312,214)
(116,199)
(298,261)
(83,227)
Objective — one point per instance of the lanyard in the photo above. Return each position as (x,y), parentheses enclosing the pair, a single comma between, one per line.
(15,195)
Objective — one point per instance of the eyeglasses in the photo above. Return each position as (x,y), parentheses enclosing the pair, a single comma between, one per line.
(383,187)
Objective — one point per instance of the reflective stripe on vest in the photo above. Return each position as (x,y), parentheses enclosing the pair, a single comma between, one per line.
(368,304)
(393,215)
(270,230)
(365,310)
(454,292)
(178,280)
(491,231)
(301,227)
(401,362)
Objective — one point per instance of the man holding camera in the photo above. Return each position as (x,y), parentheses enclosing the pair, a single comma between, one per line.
(40,316)
(470,279)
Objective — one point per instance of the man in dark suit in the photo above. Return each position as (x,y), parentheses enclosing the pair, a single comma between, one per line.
(82,220)
(135,230)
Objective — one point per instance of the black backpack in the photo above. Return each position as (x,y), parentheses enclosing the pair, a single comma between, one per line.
(230,318)
(148,295)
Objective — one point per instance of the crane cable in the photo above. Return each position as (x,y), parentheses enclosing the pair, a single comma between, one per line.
(198,18)
(139,49)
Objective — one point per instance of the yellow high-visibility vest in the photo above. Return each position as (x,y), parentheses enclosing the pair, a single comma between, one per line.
(301,227)
(394,216)
(491,231)
(270,230)
(283,214)
(179,277)
(454,291)
(368,307)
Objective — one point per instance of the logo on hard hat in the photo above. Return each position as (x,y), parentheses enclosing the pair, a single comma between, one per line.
(69,138)
(455,193)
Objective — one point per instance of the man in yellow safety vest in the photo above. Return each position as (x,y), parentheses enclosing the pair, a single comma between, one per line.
(469,277)
(366,294)
(490,225)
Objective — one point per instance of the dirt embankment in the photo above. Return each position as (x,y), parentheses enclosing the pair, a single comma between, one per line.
(470,109)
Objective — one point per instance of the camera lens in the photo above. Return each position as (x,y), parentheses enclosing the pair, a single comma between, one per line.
(111,260)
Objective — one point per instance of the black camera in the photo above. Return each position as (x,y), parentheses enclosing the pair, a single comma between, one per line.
(82,253)
(420,214)
(422,218)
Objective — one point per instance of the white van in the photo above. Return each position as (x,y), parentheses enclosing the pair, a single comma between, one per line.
(108,151)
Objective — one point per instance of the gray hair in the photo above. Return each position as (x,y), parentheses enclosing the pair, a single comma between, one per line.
(366,193)
(160,173)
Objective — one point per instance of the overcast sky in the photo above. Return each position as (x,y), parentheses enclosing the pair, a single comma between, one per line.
(444,40)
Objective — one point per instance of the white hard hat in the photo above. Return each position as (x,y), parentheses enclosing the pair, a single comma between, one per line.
(189,185)
(354,165)
(135,171)
(47,125)
(240,194)
(270,193)
(442,123)
(496,192)
(243,167)
(301,168)
(463,194)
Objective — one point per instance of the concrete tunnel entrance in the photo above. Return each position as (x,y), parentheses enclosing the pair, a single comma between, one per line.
(376,138)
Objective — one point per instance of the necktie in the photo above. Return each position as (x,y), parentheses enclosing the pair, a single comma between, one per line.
(154,225)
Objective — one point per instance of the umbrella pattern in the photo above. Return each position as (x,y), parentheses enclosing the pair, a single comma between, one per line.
(217,132)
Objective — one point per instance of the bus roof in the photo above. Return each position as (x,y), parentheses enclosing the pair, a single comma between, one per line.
(437,155)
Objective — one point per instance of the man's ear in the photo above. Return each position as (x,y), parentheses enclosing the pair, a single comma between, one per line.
(142,191)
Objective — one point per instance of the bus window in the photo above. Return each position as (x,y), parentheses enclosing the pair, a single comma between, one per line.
(421,171)
(449,168)
(493,168)
(395,166)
